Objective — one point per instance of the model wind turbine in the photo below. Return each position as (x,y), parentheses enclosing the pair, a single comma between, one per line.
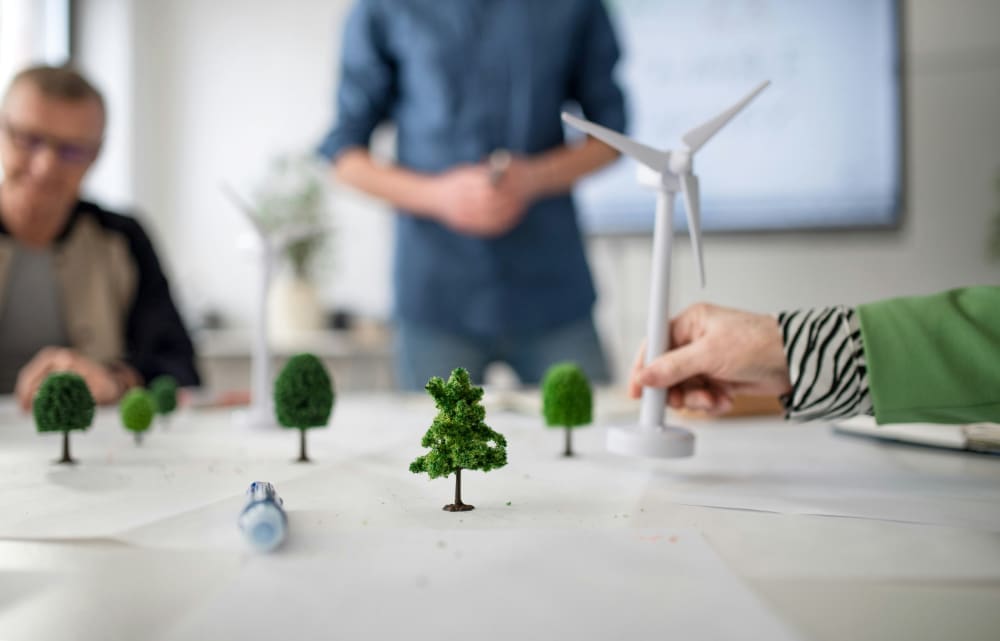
(269,244)
(666,171)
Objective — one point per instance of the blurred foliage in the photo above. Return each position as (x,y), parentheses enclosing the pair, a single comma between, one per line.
(295,193)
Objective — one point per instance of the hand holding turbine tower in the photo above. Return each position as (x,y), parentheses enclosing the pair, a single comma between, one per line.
(668,172)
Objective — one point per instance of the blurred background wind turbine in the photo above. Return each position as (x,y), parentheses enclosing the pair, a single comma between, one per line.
(267,244)
(668,172)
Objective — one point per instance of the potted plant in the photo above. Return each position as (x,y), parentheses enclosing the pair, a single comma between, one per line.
(293,196)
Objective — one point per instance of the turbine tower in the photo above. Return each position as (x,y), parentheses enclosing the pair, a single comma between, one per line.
(269,245)
(668,172)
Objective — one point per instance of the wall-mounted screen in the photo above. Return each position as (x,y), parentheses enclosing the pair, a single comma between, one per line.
(820,148)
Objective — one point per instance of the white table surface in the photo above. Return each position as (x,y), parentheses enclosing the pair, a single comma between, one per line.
(772,530)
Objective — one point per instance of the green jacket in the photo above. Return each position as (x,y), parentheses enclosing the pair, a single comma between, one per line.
(934,358)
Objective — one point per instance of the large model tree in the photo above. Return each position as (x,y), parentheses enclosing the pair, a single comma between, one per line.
(303,397)
(137,409)
(567,401)
(63,403)
(458,438)
(164,391)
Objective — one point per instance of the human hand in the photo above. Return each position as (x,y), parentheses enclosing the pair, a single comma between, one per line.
(103,384)
(518,188)
(470,203)
(465,199)
(716,352)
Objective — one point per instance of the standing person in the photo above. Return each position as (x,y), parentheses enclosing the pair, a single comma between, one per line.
(81,289)
(489,259)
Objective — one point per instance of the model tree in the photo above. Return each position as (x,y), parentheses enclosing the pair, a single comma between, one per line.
(164,391)
(458,438)
(63,403)
(566,400)
(137,409)
(303,397)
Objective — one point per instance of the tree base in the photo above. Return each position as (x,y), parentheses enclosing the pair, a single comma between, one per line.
(303,459)
(458,507)
(568,454)
(65,461)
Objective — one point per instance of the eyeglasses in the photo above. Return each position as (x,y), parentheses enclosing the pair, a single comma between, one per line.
(68,152)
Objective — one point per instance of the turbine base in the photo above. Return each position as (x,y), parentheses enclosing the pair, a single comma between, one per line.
(254,418)
(667,441)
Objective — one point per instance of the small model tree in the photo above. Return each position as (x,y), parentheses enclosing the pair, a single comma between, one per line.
(458,438)
(303,397)
(164,391)
(137,409)
(63,403)
(567,400)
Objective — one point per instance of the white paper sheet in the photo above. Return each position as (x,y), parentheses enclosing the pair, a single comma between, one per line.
(100,591)
(810,469)
(201,459)
(541,584)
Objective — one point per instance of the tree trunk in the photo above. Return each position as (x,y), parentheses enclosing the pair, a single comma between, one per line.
(138,438)
(66,458)
(302,446)
(569,442)
(458,506)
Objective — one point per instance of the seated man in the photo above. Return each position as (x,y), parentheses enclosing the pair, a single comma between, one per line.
(81,288)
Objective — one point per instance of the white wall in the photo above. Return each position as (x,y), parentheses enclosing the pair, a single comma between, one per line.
(216,90)
(220,86)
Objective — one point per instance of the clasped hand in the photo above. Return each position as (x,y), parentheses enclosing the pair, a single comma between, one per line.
(469,203)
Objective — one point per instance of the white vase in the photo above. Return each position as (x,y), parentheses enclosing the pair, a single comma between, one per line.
(294,311)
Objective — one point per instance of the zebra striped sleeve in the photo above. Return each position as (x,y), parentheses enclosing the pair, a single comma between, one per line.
(826,364)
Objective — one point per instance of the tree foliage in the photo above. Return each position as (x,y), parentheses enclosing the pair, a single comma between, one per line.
(63,403)
(567,400)
(459,439)
(303,393)
(164,391)
(137,409)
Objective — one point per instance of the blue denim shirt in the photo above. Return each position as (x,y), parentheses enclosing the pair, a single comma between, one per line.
(461,78)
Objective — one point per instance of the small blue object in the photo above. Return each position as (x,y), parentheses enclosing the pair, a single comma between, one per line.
(263,521)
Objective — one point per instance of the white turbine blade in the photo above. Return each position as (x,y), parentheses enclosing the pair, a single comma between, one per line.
(689,187)
(244,207)
(653,158)
(697,137)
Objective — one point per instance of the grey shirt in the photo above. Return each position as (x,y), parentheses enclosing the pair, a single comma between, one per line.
(30,312)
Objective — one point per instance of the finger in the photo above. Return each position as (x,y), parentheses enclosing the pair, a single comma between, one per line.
(64,361)
(101,382)
(687,326)
(712,399)
(675,397)
(634,387)
(699,399)
(724,404)
(673,367)
(466,222)
(30,378)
